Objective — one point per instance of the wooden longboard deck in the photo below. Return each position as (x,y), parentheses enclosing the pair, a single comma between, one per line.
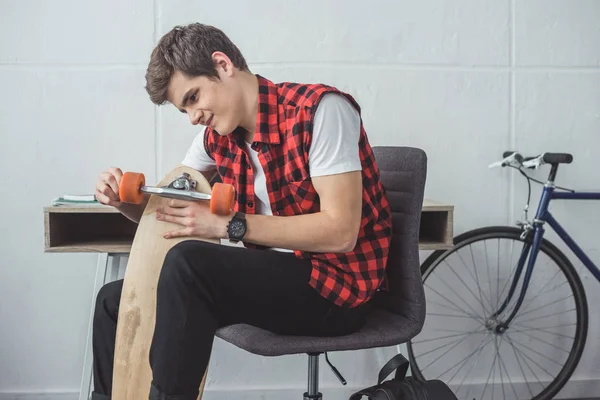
(135,327)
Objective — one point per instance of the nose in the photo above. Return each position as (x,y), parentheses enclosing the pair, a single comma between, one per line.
(195,117)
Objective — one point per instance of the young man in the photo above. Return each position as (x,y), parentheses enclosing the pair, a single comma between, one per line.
(309,208)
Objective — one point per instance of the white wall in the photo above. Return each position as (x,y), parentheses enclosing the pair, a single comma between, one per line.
(464,80)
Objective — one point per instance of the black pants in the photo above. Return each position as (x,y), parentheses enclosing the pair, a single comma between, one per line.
(205,286)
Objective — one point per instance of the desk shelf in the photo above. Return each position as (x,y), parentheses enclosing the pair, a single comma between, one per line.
(437,221)
(96,229)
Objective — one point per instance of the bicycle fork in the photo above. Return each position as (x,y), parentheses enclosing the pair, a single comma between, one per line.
(531,249)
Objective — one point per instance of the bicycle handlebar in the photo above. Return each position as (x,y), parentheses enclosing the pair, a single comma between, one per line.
(513,157)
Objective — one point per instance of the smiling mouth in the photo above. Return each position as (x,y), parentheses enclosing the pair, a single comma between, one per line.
(209,120)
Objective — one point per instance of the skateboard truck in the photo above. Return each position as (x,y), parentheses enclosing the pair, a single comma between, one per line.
(184,182)
(133,186)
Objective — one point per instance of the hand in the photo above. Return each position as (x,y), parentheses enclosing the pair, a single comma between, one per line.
(107,187)
(195,218)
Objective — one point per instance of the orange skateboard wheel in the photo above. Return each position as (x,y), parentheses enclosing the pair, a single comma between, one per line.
(129,188)
(221,200)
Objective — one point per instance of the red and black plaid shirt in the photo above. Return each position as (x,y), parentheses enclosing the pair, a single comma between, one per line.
(282,140)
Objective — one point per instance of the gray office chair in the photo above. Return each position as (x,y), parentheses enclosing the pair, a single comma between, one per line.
(399,313)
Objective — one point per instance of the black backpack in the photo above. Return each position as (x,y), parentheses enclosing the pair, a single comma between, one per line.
(403,387)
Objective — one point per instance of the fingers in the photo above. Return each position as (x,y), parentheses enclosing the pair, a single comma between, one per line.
(176,219)
(178,212)
(117,173)
(187,223)
(107,187)
(111,181)
(103,199)
(180,233)
(176,203)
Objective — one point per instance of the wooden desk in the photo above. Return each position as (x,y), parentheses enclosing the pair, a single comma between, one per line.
(104,230)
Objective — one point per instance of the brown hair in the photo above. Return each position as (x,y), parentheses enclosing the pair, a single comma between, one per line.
(188,49)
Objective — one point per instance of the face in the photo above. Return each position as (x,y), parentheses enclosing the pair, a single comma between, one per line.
(208,102)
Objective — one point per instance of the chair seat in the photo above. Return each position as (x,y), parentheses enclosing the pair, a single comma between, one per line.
(381,329)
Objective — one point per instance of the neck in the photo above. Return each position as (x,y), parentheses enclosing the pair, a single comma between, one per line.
(249,83)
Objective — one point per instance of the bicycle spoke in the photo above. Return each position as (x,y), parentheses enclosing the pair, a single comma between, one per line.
(551,290)
(443,337)
(444,353)
(493,369)
(506,370)
(551,315)
(542,288)
(453,316)
(548,327)
(451,308)
(458,370)
(525,356)
(543,341)
(453,291)
(467,287)
(449,369)
(481,346)
(540,354)
(535,362)
(544,306)
(520,366)
(442,346)
(485,310)
(488,267)
(529,328)
(481,294)
(496,338)
(490,374)
(451,302)
(457,331)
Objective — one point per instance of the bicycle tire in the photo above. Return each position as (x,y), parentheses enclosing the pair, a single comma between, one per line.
(560,259)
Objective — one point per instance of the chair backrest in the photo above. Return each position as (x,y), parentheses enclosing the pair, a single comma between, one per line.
(403,173)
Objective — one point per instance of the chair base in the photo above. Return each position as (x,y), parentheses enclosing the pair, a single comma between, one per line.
(313,376)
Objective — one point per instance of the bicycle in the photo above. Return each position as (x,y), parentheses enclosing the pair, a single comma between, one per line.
(484,324)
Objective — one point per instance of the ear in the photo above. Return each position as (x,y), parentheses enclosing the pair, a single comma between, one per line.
(223,63)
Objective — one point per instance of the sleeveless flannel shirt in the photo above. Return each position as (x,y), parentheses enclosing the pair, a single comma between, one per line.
(282,140)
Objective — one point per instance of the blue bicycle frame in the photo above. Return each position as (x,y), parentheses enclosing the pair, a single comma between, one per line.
(544,216)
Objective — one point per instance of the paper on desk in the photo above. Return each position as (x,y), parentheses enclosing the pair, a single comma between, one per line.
(75,199)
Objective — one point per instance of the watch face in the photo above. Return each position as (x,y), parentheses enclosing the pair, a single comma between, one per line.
(237,229)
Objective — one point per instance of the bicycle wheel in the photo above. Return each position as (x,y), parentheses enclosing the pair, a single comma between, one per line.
(459,344)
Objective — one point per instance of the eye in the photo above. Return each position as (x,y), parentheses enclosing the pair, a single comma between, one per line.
(193,97)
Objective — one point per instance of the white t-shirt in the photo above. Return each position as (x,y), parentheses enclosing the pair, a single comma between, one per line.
(334,148)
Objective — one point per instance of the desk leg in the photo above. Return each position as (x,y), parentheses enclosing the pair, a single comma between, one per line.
(106,270)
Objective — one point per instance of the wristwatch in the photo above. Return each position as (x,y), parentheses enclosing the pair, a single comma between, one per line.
(236,229)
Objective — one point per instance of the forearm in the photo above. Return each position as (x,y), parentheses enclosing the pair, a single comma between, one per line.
(319,232)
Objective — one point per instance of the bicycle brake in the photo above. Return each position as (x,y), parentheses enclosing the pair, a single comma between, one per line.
(526,227)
